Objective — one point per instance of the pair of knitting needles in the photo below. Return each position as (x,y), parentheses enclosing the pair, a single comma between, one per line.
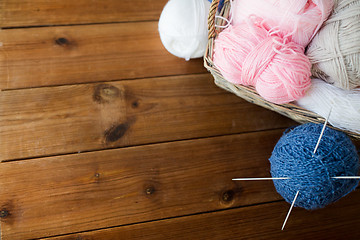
(285,178)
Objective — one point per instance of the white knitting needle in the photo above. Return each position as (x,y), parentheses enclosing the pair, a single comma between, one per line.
(317,145)
(252,179)
(347,177)
(322,132)
(292,205)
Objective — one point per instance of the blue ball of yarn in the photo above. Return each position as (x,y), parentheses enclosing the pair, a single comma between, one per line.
(311,174)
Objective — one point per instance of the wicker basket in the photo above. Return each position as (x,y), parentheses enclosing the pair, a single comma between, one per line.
(290,110)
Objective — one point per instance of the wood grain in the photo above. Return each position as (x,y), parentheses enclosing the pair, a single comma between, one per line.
(67,119)
(15,13)
(33,57)
(338,221)
(72,193)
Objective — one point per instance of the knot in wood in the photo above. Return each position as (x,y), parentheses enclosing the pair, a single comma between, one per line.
(149,190)
(4,213)
(135,104)
(105,93)
(62,41)
(228,196)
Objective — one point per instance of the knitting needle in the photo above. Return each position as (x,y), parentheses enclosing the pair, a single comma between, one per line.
(317,145)
(292,205)
(251,179)
(347,177)
(322,132)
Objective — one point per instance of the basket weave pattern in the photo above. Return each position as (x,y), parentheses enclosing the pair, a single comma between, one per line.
(248,93)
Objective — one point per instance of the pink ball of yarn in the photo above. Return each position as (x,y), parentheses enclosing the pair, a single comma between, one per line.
(248,54)
(300,19)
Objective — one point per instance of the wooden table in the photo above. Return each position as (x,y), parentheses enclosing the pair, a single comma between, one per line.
(105,135)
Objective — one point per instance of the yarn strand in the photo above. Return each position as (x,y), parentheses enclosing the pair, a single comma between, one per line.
(228,21)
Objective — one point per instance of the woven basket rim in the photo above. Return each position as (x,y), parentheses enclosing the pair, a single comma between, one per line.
(248,93)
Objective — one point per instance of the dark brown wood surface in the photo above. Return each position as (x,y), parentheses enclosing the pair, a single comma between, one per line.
(78,192)
(64,12)
(106,135)
(46,56)
(257,223)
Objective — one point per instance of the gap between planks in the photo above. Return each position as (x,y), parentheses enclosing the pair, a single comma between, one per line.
(110,81)
(256,222)
(37,12)
(166,219)
(75,24)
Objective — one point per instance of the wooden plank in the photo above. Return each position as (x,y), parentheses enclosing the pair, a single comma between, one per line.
(68,119)
(78,192)
(338,221)
(15,13)
(33,57)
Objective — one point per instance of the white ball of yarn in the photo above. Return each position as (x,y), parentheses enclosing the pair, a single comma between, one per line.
(183,27)
(335,49)
(344,104)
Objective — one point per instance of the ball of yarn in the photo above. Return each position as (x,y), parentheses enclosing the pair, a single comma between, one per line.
(335,49)
(249,54)
(344,105)
(299,19)
(310,174)
(183,27)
